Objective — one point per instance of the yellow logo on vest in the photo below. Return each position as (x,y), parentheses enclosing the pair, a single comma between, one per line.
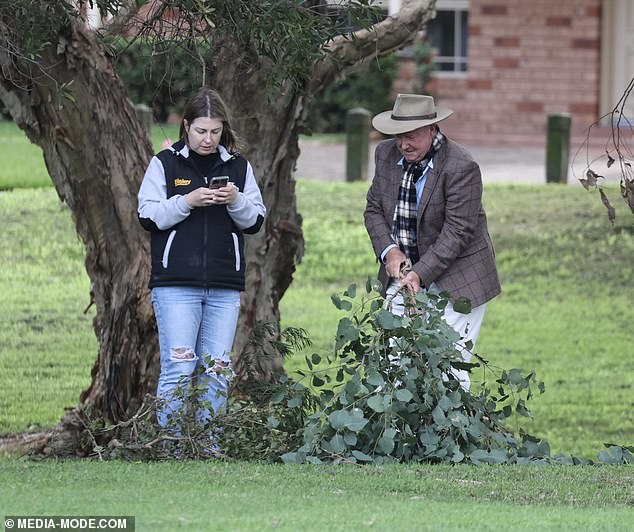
(180,182)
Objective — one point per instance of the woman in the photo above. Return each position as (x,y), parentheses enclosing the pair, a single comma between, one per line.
(197,224)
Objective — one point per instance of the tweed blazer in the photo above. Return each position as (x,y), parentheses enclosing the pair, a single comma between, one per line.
(456,252)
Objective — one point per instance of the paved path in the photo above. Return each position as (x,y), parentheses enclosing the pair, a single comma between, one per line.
(499,164)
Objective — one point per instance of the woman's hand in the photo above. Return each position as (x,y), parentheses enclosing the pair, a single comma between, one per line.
(206,197)
(225,195)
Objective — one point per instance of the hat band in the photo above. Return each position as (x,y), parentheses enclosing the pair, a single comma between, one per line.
(417,117)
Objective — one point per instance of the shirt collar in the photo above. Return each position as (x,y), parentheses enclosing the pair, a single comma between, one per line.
(402,163)
(222,151)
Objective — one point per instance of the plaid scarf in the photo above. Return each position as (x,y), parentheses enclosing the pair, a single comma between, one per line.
(404,221)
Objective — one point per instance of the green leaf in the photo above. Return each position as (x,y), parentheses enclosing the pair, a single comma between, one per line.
(458,419)
(338,419)
(521,409)
(457,456)
(495,456)
(462,305)
(445,403)
(350,438)
(294,402)
(362,457)
(387,320)
(351,291)
(375,378)
(278,396)
(478,456)
(386,443)
(346,332)
(429,438)
(376,403)
(404,395)
(356,424)
(336,301)
(373,285)
(439,417)
(391,432)
(272,422)
(516,377)
(616,454)
(292,458)
(337,445)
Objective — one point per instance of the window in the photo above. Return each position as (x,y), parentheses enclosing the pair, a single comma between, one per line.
(448,36)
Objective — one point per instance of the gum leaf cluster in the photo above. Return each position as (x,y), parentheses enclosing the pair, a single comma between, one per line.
(389,393)
(386,394)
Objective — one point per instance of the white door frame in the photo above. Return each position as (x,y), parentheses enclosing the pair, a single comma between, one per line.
(617,55)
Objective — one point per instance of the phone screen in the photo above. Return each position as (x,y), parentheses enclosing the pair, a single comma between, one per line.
(218,181)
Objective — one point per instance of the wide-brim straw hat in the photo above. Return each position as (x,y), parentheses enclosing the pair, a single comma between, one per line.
(410,112)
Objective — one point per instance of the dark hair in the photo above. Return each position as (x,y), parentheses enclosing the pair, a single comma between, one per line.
(208,103)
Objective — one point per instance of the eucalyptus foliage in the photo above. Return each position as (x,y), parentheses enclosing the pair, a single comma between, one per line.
(290,34)
(41,20)
(389,395)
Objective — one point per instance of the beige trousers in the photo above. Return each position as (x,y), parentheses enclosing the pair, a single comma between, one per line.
(467,325)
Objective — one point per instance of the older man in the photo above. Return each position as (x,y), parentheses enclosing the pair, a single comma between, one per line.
(425,218)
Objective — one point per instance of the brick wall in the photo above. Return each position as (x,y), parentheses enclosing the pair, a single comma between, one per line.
(527,59)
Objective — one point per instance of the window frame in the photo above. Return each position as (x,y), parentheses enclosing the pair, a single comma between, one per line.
(461,40)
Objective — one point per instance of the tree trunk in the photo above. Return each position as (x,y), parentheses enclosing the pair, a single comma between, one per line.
(96,151)
(269,134)
(74,106)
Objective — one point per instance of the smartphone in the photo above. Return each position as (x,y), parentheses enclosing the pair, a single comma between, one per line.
(219,181)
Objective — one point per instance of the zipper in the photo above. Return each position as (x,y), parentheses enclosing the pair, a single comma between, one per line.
(205,223)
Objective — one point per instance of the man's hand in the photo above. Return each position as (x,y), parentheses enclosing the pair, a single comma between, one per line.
(394,259)
(411,282)
(399,267)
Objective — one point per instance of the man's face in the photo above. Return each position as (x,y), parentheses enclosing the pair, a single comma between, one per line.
(415,144)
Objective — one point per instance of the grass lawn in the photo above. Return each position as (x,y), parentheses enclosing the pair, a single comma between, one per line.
(230,497)
(565,311)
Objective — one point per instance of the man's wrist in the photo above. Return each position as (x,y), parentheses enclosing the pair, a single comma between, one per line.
(385,252)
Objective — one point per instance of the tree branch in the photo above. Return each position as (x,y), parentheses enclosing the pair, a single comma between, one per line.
(381,39)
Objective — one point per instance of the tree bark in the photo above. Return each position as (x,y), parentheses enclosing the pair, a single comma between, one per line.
(74,106)
(96,151)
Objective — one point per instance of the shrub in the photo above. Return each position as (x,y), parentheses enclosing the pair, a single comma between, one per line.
(397,400)
(388,394)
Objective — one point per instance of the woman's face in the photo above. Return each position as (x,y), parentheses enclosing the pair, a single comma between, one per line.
(203,134)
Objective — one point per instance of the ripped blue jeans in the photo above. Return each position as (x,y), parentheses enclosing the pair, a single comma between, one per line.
(196,328)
